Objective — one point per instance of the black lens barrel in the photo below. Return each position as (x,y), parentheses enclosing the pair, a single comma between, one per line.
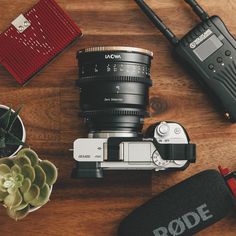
(114,83)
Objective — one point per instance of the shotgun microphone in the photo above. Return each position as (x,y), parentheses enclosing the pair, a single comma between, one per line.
(209,52)
(185,208)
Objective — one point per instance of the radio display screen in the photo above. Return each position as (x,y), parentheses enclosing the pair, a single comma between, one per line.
(208,47)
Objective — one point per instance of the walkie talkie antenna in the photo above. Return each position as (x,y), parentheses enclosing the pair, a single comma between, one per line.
(198,9)
(158,22)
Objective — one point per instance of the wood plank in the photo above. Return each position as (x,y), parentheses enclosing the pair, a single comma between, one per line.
(51,115)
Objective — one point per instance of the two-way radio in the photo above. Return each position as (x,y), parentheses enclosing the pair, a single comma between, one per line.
(209,50)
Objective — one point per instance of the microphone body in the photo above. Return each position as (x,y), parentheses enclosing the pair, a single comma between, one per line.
(182,210)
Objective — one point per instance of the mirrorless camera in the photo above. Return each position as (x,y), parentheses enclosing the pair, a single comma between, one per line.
(114,85)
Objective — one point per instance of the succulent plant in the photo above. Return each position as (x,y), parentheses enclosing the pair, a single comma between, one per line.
(25,182)
(7,138)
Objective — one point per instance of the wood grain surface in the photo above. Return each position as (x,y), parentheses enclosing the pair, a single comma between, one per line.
(51,106)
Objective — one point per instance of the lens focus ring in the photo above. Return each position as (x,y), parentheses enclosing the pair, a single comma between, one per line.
(116,112)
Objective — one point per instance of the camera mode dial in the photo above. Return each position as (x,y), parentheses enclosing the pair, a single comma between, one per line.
(158,161)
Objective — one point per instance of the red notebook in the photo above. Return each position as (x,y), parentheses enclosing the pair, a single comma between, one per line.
(35,38)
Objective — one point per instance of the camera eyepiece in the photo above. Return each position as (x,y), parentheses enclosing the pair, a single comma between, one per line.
(114,86)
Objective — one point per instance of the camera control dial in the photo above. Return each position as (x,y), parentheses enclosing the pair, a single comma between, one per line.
(158,161)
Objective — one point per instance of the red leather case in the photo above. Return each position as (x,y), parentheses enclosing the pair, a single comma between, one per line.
(35,38)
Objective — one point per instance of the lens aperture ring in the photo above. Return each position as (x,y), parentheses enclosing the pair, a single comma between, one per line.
(85,80)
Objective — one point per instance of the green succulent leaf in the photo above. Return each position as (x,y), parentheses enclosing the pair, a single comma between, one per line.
(7,161)
(12,190)
(8,175)
(3,195)
(2,188)
(13,118)
(7,138)
(50,171)
(11,182)
(21,206)
(29,153)
(19,178)
(43,197)
(15,169)
(11,139)
(4,169)
(40,176)
(2,140)
(5,119)
(32,193)
(28,172)
(13,200)
(25,185)
(21,161)
(19,214)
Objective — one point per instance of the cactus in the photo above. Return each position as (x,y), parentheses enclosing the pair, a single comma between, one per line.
(7,138)
(25,182)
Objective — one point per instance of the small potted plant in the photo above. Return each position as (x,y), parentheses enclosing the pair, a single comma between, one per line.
(25,183)
(12,132)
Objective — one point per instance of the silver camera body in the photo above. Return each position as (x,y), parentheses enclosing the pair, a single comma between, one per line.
(165,147)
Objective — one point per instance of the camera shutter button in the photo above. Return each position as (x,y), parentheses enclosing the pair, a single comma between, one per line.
(163,129)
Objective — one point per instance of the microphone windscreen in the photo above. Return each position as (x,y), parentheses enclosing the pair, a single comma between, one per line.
(183,209)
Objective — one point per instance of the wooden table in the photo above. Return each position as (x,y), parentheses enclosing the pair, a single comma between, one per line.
(51,106)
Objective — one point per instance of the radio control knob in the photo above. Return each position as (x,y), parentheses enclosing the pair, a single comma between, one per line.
(163,129)
(211,66)
(228,53)
(219,59)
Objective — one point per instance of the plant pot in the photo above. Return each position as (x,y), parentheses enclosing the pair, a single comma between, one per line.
(18,130)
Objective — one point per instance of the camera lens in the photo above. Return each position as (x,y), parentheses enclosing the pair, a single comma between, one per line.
(114,84)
